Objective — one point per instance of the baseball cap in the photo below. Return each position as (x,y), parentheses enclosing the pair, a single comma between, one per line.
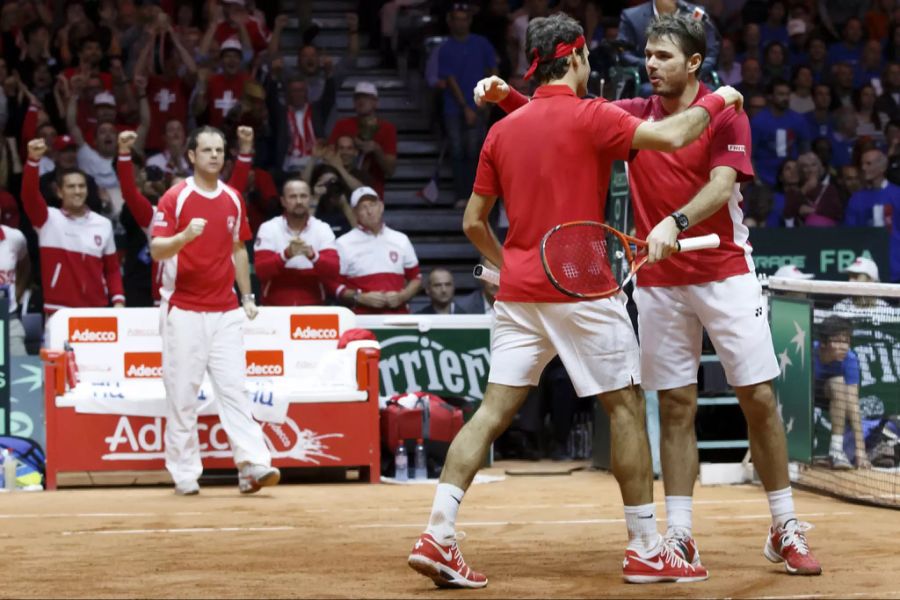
(231,43)
(796,27)
(360,193)
(63,142)
(864,266)
(792,272)
(366,87)
(104,98)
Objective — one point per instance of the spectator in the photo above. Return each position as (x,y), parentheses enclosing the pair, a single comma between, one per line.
(728,68)
(633,24)
(330,201)
(849,182)
(871,65)
(440,290)
(836,379)
(863,270)
(843,138)
(348,157)
(878,18)
(869,122)
(15,272)
(842,84)
(889,100)
(801,96)
(292,122)
(797,42)
(778,132)
(481,301)
(775,65)
(375,138)
(821,146)
(817,202)
(79,265)
(773,29)
(235,22)
(171,160)
(758,205)
(751,47)
(892,141)
(66,159)
(817,59)
(216,94)
(36,52)
(754,103)
(819,119)
(295,252)
(849,49)
(877,203)
(787,184)
(463,60)
(90,55)
(751,78)
(379,268)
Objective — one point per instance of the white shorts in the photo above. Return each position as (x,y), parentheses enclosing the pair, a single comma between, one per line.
(594,340)
(671,322)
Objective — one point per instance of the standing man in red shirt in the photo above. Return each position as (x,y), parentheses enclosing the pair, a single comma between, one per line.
(551,162)
(219,92)
(295,252)
(714,289)
(376,139)
(199,230)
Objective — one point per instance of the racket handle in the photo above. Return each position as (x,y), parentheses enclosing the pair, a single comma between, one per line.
(486,274)
(698,243)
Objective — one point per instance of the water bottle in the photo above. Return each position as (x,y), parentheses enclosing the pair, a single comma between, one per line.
(9,471)
(421,471)
(401,463)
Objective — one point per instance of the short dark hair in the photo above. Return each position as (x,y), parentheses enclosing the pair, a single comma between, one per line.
(688,34)
(776,82)
(61,175)
(543,35)
(195,134)
(295,179)
(834,326)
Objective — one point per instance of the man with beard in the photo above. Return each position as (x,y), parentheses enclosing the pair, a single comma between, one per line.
(714,289)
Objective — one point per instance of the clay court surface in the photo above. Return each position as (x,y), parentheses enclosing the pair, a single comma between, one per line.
(533,536)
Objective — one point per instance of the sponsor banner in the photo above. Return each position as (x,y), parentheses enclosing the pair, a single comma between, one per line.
(143,365)
(791,322)
(822,251)
(265,363)
(93,330)
(314,327)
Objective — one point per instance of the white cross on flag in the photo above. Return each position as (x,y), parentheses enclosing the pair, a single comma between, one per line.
(164,98)
(225,102)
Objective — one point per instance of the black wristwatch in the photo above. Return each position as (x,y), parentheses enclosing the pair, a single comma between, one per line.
(681,221)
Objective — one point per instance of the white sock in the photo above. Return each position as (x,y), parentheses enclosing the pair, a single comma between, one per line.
(641,524)
(679,512)
(837,444)
(781,505)
(442,524)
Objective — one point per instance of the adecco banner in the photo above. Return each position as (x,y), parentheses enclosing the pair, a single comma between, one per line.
(114,344)
(448,355)
(822,251)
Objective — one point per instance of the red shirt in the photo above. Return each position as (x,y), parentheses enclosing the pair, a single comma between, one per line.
(201,276)
(224,91)
(726,142)
(168,98)
(385,135)
(550,161)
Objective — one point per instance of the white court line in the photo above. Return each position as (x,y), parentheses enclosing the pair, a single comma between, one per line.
(768,516)
(885,594)
(94,515)
(180,530)
(528,506)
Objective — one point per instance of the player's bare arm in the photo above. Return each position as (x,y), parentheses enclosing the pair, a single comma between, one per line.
(679,130)
(478,229)
(711,197)
(242,277)
(163,248)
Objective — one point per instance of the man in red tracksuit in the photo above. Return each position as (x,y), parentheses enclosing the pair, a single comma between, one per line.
(79,265)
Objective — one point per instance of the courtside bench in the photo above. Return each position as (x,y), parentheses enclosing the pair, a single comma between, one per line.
(105,399)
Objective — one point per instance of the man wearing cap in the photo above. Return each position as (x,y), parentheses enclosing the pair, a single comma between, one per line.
(375,138)
(379,270)
(219,92)
(462,60)
(237,18)
(295,252)
(862,270)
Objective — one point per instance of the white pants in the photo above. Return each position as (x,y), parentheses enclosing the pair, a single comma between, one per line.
(671,322)
(594,340)
(195,343)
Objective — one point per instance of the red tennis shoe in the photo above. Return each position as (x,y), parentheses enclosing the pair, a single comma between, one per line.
(662,564)
(685,544)
(788,544)
(443,564)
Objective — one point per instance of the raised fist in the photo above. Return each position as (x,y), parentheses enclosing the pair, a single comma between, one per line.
(126,141)
(36,149)
(245,139)
(490,90)
(194,229)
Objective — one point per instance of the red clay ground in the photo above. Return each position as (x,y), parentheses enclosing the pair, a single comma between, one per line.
(533,536)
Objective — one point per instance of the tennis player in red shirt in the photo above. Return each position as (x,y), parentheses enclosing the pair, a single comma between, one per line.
(714,289)
(551,163)
(199,230)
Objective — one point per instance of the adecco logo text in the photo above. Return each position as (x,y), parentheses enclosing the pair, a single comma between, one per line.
(87,330)
(265,363)
(314,327)
(143,365)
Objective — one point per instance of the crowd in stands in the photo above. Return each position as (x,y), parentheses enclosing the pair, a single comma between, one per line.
(99,97)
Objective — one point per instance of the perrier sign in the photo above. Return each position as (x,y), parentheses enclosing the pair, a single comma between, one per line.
(445,362)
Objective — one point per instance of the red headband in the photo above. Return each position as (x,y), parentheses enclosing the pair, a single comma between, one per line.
(561,51)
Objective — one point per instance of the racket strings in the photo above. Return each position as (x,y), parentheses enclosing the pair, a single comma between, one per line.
(579,259)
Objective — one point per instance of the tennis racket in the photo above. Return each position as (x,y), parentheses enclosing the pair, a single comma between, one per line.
(578,257)
(486,274)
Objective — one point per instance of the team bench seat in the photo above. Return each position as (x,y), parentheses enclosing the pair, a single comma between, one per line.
(105,401)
